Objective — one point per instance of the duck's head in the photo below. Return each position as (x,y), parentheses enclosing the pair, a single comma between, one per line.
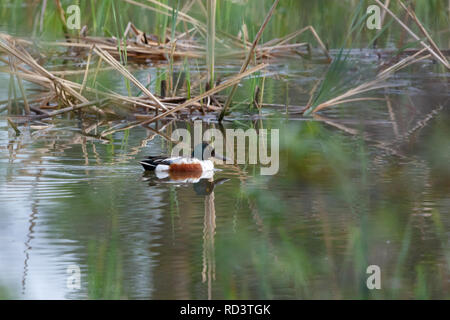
(206,151)
(206,186)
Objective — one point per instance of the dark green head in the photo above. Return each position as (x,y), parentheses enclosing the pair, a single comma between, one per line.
(203,151)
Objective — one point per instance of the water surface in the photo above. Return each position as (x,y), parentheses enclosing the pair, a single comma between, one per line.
(363,184)
(338,204)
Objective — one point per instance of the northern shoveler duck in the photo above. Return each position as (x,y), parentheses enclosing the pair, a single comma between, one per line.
(182,166)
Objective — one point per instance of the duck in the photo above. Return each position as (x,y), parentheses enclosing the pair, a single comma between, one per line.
(199,164)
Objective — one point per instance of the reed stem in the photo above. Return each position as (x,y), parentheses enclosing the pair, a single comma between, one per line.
(211,39)
(248,58)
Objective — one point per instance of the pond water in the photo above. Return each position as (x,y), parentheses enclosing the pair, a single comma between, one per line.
(340,203)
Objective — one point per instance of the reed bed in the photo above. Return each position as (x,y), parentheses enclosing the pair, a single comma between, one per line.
(63,94)
(132,46)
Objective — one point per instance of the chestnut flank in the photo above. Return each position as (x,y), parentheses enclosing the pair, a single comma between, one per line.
(192,167)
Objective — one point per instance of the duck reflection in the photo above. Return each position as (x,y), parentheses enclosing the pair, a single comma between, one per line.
(205,188)
(209,231)
(203,184)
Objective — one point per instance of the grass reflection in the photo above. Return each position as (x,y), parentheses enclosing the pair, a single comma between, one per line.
(319,244)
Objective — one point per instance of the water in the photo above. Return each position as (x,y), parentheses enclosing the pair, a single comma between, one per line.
(338,204)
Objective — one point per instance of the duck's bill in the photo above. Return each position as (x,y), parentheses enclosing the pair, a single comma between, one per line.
(220,181)
(222,158)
